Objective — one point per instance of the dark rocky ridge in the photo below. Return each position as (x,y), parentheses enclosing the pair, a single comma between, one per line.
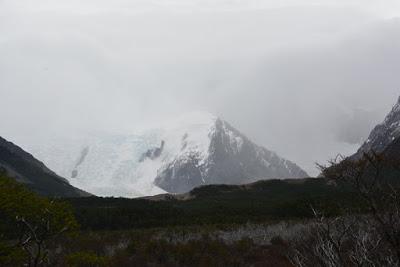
(383,134)
(384,139)
(24,168)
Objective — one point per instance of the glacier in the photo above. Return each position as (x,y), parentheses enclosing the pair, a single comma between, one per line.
(113,165)
(174,157)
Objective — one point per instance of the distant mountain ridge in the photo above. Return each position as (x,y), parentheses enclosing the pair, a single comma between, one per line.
(384,133)
(196,149)
(24,168)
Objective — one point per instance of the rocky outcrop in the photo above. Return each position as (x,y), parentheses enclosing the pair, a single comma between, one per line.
(153,153)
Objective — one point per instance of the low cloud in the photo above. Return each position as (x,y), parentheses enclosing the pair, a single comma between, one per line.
(305,81)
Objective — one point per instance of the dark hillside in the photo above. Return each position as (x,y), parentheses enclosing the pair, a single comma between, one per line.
(215,204)
(24,168)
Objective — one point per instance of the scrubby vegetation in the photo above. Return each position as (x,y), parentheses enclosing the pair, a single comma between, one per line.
(218,204)
(349,218)
(176,247)
(370,238)
(28,223)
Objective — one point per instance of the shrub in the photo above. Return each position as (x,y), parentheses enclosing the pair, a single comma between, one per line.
(28,222)
(86,259)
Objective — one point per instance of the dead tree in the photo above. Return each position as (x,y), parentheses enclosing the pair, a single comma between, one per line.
(367,238)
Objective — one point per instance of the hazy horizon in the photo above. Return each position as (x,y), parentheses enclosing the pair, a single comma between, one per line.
(307,79)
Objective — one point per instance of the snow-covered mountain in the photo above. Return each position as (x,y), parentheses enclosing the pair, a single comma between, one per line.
(196,149)
(383,134)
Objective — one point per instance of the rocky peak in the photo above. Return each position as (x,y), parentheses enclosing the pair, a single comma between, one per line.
(191,150)
(384,133)
(230,158)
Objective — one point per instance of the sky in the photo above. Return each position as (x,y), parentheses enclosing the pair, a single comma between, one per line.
(307,79)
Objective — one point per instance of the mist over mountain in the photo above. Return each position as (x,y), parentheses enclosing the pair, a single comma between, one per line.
(199,133)
(355,126)
(384,134)
(195,149)
(25,169)
(271,69)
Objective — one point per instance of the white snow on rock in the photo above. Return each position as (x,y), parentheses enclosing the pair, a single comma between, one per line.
(127,165)
(384,133)
(113,165)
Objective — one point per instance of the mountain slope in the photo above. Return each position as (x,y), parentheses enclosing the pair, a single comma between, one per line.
(231,158)
(23,167)
(384,133)
(195,149)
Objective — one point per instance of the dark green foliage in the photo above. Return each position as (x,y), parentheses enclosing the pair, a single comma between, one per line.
(217,204)
(11,256)
(86,259)
(27,223)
